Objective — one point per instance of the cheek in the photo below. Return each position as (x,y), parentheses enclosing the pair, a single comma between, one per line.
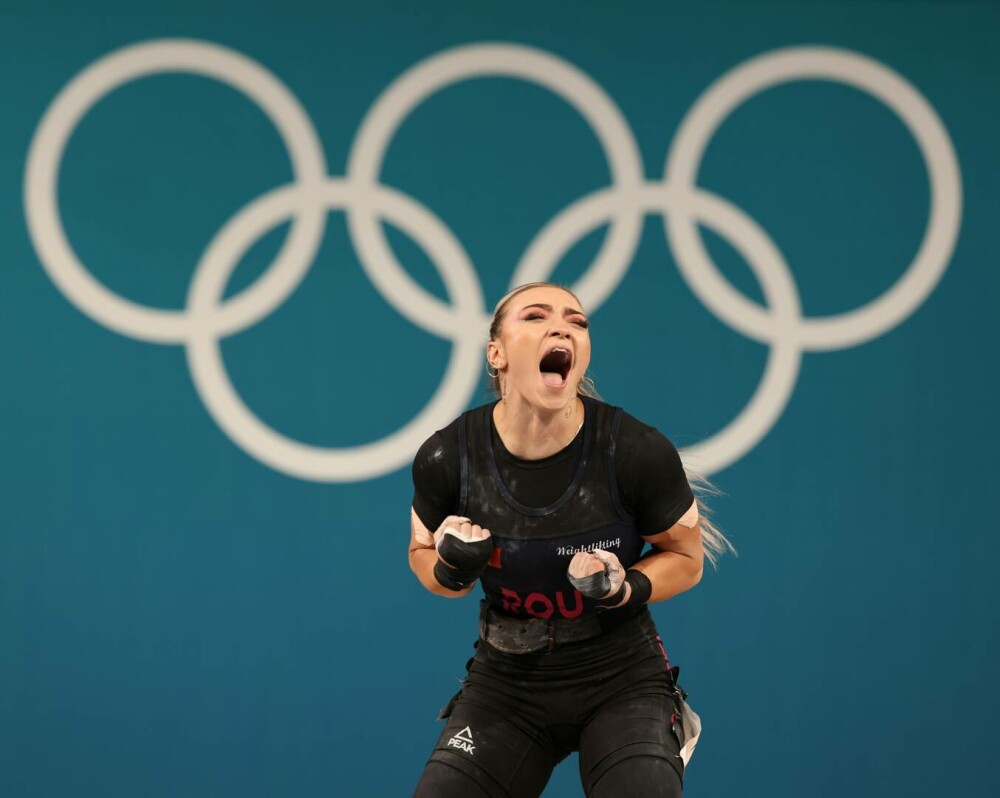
(519,351)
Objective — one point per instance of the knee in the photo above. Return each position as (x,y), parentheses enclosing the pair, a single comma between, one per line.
(443,781)
(645,775)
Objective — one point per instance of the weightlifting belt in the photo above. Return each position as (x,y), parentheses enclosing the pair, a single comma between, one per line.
(529,635)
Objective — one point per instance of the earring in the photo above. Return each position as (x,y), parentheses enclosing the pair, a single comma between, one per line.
(503,390)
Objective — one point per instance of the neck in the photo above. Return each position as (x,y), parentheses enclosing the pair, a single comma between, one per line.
(530,433)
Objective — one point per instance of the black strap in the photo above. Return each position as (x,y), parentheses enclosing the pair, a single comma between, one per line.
(574,485)
(616,423)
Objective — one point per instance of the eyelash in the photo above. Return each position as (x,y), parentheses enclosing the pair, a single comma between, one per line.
(583,324)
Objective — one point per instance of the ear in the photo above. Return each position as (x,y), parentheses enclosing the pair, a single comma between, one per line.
(495,354)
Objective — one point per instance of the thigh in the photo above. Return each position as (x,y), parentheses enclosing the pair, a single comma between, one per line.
(631,747)
(443,781)
(483,751)
(639,775)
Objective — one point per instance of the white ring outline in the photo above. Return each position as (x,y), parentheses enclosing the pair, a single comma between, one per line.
(441,70)
(756,419)
(240,423)
(157,325)
(861,72)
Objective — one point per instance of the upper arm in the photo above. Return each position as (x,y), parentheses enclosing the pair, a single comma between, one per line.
(652,482)
(655,491)
(436,487)
(683,537)
(420,536)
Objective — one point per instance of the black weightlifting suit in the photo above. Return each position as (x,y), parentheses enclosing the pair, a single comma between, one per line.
(612,697)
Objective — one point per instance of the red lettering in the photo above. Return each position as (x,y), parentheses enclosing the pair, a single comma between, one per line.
(562,605)
(511,601)
(536,598)
(540,606)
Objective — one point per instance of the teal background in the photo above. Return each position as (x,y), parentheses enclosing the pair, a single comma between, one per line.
(178,619)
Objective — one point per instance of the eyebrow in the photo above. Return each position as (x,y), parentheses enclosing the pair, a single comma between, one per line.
(549,308)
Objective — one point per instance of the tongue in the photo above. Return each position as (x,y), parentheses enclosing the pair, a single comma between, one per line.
(553,379)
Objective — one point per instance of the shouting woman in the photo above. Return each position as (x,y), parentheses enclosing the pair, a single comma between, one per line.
(549,498)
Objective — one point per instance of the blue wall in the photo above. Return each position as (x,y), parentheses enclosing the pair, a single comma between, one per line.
(203,582)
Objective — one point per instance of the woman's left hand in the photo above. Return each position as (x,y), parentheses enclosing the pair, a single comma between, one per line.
(596,574)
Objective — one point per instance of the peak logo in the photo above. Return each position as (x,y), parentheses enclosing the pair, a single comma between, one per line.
(463,741)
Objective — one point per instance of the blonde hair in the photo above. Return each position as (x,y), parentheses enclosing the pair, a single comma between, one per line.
(713,541)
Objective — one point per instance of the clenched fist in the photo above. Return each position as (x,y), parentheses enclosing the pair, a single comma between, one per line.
(463,550)
(597,574)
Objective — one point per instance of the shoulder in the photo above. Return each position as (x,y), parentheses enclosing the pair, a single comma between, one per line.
(651,477)
(437,475)
(632,437)
(441,449)
(637,437)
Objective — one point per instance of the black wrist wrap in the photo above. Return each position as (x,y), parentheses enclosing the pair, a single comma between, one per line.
(593,586)
(642,589)
(465,561)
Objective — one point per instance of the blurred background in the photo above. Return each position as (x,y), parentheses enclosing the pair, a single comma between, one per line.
(246,273)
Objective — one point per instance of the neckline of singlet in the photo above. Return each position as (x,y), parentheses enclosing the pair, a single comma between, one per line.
(574,485)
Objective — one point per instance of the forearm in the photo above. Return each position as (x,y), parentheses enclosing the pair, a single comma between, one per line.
(422,561)
(670,573)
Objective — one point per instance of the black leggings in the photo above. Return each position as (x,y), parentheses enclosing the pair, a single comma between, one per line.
(516,719)
(640,776)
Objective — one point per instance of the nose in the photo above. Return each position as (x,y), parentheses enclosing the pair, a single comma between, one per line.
(559,331)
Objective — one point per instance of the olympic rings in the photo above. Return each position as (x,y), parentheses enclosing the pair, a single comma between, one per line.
(463,320)
(436,73)
(763,72)
(79,96)
(267,445)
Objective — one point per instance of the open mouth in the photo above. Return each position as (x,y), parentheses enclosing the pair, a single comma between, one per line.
(555,366)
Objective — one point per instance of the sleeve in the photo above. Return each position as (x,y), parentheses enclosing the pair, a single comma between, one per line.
(436,488)
(651,481)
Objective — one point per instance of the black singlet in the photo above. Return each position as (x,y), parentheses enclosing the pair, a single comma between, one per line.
(617,481)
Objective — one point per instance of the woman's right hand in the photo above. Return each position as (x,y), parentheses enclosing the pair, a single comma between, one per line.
(461,528)
(463,550)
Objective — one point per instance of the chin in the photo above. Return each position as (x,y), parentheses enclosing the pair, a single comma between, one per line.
(555,398)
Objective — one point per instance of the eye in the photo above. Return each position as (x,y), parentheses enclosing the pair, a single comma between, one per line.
(580,322)
(531,315)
